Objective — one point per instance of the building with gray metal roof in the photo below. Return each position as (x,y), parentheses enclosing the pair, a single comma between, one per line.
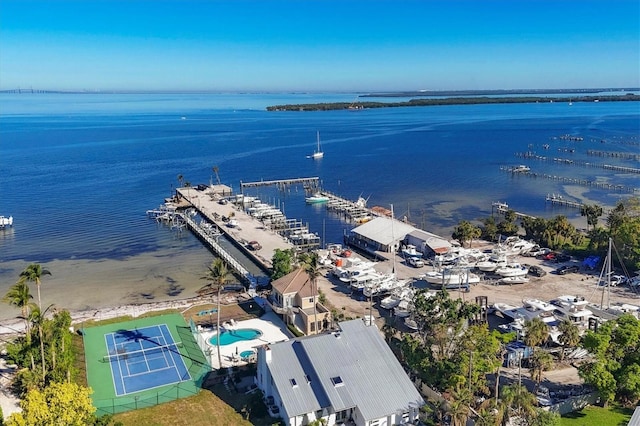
(379,234)
(348,375)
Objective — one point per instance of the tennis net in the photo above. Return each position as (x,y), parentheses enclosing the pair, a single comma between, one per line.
(143,353)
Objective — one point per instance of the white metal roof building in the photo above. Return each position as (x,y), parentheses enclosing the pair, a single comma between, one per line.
(351,374)
(428,243)
(379,234)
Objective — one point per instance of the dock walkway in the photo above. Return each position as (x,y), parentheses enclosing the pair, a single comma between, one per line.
(222,253)
(247,229)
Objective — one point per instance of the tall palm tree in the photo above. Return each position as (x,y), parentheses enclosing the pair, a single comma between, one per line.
(517,399)
(20,296)
(310,265)
(536,332)
(33,273)
(540,362)
(218,274)
(37,318)
(570,335)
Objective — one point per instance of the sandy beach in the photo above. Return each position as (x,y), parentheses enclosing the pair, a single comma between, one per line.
(80,284)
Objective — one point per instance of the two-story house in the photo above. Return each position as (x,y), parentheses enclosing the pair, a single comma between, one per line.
(295,296)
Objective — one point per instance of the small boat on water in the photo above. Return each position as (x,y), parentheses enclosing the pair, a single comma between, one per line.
(316,198)
(318,153)
(6,221)
(521,169)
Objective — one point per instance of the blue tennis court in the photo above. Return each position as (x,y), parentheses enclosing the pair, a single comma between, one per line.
(144,358)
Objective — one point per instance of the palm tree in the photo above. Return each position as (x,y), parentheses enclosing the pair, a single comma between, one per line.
(310,265)
(218,273)
(536,332)
(459,407)
(37,317)
(570,335)
(540,362)
(20,296)
(517,399)
(33,273)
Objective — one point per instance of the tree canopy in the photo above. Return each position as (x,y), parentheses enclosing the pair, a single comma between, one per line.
(615,370)
(57,404)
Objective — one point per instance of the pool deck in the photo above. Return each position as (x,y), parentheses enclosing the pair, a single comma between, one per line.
(273,330)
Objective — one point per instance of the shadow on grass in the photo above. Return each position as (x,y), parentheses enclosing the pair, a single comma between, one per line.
(248,404)
(575,415)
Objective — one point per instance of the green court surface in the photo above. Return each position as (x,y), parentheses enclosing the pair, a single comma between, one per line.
(101,378)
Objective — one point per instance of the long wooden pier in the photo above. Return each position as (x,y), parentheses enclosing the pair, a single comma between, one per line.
(220,252)
(311,183)
(558,200)
(575,181)
(503,208)
(572,162)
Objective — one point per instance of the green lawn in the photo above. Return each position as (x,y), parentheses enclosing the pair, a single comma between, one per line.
(592,415)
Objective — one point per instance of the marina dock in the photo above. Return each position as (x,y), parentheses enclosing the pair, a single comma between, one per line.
(243,230)
(502,208)
(575,181)
(559,201)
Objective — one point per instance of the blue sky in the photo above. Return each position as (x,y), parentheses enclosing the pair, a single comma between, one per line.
(318,45)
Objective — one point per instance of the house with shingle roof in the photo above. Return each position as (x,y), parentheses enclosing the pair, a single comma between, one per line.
(295,296)
(348,376)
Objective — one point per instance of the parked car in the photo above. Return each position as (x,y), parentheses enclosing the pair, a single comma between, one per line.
(254,245)
(537,271)
(561,258)
(538,252)
(416,262)
(567,269)
(617,280)
(550,256)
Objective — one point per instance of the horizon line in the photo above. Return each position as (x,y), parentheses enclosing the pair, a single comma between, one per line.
(360,92)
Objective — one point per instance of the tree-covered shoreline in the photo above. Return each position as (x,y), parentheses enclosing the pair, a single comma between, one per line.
(480,100)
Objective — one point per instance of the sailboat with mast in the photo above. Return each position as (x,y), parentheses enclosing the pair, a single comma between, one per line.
(318,153)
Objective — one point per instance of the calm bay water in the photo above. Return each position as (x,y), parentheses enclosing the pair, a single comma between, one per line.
(78,172)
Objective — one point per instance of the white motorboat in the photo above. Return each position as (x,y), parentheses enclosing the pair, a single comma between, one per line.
(6,221)
(451,277)
(494,262)
(521,169)
(396,296)
(404,308)
(316,198)
(573,308)
(386,284)
(410,251)
(518,279)
(512,270)
(411,323)
(351,267)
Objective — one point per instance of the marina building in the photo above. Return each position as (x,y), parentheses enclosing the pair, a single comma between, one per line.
(379,234)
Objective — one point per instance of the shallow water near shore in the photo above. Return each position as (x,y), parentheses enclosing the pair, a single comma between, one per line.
(79,172)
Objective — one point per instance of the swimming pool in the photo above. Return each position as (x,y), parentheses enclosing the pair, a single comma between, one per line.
(246,354)
(229,337)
